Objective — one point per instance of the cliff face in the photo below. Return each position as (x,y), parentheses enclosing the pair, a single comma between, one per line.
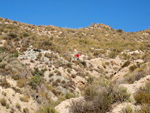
(39,70)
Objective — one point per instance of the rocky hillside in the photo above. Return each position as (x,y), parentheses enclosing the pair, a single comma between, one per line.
(39,71)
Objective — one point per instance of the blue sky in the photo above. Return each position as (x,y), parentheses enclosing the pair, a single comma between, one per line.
(128,15)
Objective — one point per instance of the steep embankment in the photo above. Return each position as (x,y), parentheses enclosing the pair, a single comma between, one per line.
(38,66)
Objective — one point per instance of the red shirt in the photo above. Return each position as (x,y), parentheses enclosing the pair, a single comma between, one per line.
(77,55)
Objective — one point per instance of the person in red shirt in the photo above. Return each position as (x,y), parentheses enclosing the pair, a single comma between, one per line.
(77,55)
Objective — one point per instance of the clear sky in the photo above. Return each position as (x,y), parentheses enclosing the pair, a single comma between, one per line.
(128,15)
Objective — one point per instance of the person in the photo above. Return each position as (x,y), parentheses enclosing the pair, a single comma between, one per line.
(77,55)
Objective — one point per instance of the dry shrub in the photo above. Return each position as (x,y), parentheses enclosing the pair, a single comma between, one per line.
(127,63)
(21,83)
(99,96)
(3,101)
(5,83)
(18,106)
(46,109)
(127,109)
(24,98)
(143,95)
(25,110)
(137,74)
(132,68)
(144,109)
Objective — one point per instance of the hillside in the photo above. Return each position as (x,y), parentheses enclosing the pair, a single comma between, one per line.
(39,71)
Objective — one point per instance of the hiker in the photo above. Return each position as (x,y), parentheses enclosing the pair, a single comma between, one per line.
(77,55)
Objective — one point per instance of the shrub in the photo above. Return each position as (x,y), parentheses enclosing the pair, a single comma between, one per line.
(132,68)
(18,106)
(51,74)
(69,70)
(55,83)
(90,92)
(47,43)
(47,109)
(39,56)
(90,80)
(143,95)
(127,109)
(4,83)
(83,63)
(37,72)
(24,98)
(56,71)
(35,80)
(25,110)
(3,64)
(25,34)
(98,98)
(60,99)
(21,82)
(69,65)
(144,109)
(127,63)
(16,54)
(120,30)
(3,101)
(12,35)
(69,95)
(7,106)
(113,54)
(137,74)
(96,53)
